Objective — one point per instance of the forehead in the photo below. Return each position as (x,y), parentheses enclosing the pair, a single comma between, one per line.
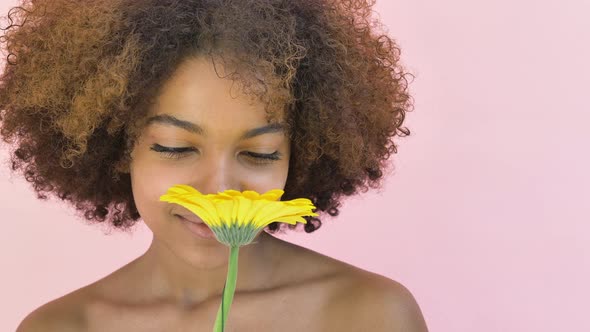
(203,89)
(195,128)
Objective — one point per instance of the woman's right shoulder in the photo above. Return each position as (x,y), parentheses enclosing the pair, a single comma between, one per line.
(64,314)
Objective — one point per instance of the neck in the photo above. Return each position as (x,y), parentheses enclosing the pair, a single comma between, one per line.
(195,278)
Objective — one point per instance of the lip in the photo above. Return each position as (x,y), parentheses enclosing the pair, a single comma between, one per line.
(196,226)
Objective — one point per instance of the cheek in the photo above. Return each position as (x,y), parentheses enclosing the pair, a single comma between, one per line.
(264,180)
(148,183)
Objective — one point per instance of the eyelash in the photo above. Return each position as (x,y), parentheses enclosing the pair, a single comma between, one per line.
(177,153)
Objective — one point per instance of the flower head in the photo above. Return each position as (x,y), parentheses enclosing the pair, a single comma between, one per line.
(237,217)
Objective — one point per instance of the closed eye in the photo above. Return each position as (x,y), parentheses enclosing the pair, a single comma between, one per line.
(172,152)
(179,152)
(260,159)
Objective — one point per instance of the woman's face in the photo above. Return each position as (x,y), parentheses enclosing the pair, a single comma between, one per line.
(201,135)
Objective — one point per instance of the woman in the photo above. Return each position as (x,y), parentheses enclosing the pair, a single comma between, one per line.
(111,102)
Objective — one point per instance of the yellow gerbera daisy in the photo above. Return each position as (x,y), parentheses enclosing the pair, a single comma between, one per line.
(236,218)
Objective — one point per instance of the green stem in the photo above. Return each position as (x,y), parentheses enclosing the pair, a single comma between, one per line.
(228,290)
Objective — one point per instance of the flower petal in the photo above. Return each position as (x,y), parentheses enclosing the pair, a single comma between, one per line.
(195,205)
(272,195)
(238,216)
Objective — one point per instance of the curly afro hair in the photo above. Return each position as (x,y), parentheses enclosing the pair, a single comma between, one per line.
(79,75)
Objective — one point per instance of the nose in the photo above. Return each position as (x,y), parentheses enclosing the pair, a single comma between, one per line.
(215,175)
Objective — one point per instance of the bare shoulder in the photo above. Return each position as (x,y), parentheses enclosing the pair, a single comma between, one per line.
(359,300)
(65,314)
(377,303)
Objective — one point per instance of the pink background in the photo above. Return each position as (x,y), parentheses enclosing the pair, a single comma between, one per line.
(485,218)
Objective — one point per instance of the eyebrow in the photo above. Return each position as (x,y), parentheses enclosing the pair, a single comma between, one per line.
(167,119)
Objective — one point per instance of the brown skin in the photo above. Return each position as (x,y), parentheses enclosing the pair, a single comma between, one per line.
(86,77)
(176,285)
(181,264)
(329,296)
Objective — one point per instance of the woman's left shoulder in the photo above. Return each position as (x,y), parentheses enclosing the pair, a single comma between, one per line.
(353,299)
(365,301)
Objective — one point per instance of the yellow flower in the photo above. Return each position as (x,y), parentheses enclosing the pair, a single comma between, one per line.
(236,217)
